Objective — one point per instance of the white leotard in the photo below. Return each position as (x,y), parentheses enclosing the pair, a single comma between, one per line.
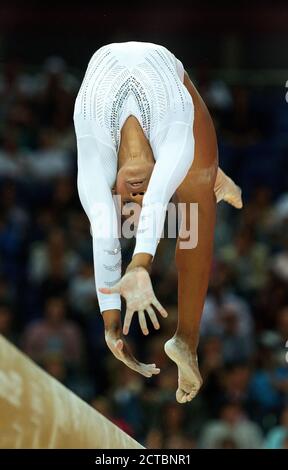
(122,79)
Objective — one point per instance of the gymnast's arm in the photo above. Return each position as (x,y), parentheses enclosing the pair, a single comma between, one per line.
(96,198)
(174,152)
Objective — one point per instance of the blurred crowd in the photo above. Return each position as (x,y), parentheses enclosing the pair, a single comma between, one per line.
(48,305)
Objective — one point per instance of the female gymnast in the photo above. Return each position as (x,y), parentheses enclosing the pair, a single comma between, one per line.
(144,132)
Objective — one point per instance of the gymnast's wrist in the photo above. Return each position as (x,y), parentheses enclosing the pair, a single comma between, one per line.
(112,320)
(141,260)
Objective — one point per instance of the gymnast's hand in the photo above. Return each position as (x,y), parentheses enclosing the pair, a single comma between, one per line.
(136,287)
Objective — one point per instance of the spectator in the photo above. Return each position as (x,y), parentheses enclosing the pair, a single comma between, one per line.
(103,405)
(54,334)
(82,290)
(216,307)
(248,260)
(49,161)
(235,385)
(55,250)
(127,401)
(232,430)
(277,436)
(154,439)
(237,346)
(75,380)
(269,382)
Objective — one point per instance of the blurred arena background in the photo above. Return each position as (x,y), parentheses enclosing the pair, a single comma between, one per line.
(238,59)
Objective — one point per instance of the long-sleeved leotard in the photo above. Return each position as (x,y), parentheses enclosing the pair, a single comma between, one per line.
(122,79)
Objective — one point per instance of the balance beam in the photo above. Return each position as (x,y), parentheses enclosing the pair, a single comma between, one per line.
(38,412)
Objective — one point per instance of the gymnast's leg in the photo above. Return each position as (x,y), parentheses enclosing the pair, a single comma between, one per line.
(194,265)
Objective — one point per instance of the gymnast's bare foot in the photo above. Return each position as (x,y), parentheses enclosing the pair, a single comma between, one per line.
(189,378)
(226,190)
(121,351)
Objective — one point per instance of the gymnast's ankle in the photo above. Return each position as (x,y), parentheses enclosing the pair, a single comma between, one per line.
(188,339)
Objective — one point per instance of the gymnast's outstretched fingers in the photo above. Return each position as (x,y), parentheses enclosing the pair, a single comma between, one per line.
(136,287)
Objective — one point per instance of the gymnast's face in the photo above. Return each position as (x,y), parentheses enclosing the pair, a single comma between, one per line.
(132,181)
